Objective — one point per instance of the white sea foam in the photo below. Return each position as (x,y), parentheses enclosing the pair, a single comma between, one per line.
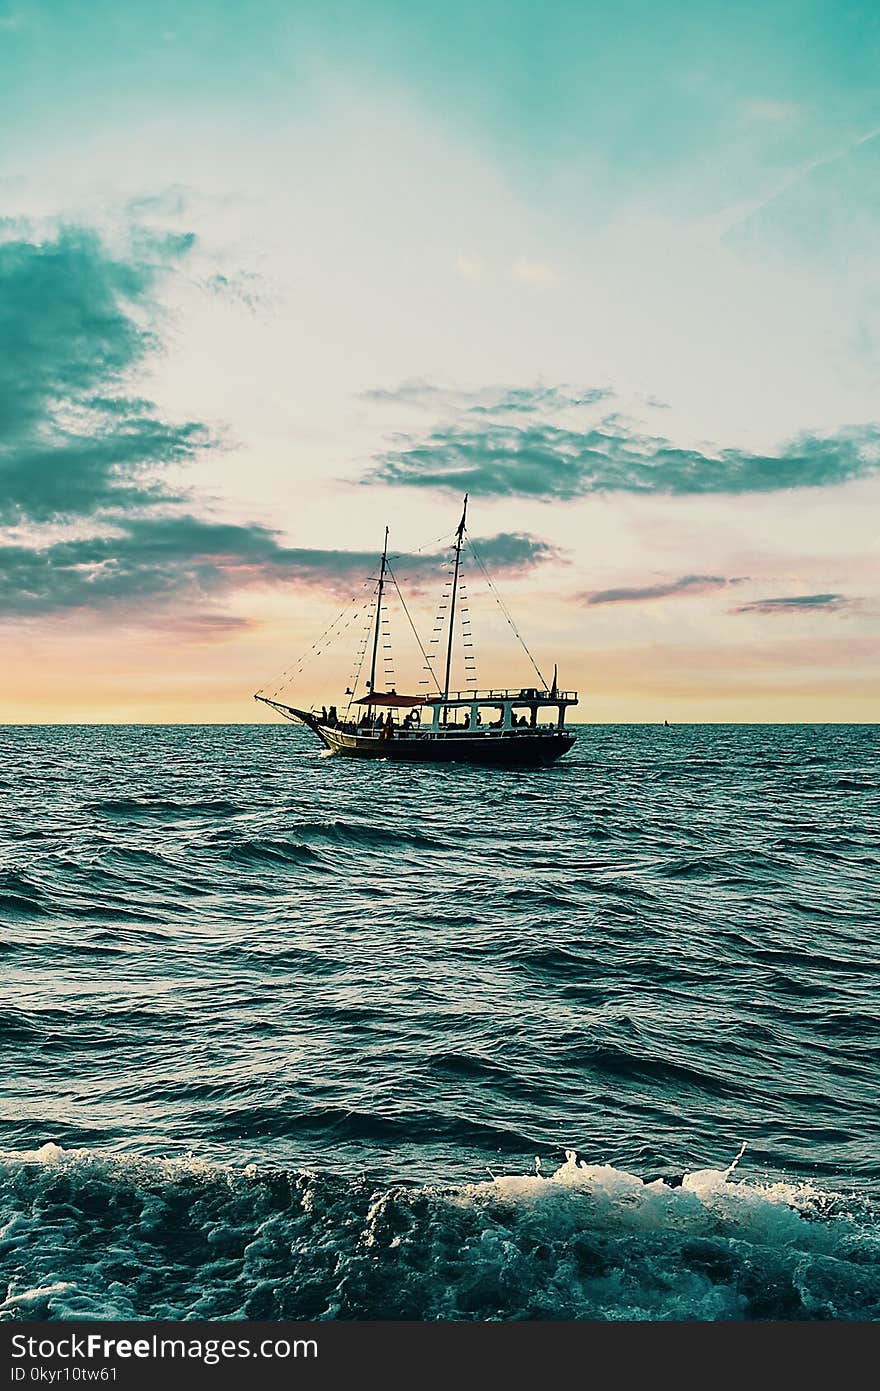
(85,1234)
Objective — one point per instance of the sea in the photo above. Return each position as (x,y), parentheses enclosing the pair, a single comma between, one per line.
(290,1036)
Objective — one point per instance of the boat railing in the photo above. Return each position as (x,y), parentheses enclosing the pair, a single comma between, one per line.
(525,694)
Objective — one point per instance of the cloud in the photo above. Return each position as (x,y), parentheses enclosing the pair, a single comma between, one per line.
(172,201)
(244,288)
(510,552)
(514,551)
(529,400)
(686,585)
(798,603)
(76,322)
(488,400)
(94,522)
(159,559)
(515,443)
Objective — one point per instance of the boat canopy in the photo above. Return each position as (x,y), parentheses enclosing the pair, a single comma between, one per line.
(390,698)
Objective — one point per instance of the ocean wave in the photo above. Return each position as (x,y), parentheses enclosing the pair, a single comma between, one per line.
(450,1063)
(607,1060)
(350,1125)
(163,807)
(139,855)
(378,834)
(92,1236)
(550,960)
(277,852)
(730,866)
(20,895)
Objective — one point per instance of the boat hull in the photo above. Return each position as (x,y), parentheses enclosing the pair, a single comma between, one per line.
(506,749)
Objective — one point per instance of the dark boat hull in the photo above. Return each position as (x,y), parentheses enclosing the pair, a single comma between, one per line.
(507,749)
(504,748)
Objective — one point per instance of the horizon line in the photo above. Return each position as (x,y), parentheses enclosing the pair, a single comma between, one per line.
(578,724)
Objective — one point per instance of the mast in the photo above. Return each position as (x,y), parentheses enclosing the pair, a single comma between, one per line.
(378,613)
(459,535)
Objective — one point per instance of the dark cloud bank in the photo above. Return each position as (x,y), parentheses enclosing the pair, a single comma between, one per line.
(506,449)
(78,450)
(686,584)
(523,443)
(189,558)
(72,332)
(82,453)
(798,603)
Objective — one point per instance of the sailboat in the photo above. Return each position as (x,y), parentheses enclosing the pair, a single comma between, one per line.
(502,726)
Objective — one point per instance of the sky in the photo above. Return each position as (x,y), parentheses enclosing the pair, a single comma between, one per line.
(276,275)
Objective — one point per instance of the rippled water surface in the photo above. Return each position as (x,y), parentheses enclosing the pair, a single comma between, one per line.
(283,1034)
